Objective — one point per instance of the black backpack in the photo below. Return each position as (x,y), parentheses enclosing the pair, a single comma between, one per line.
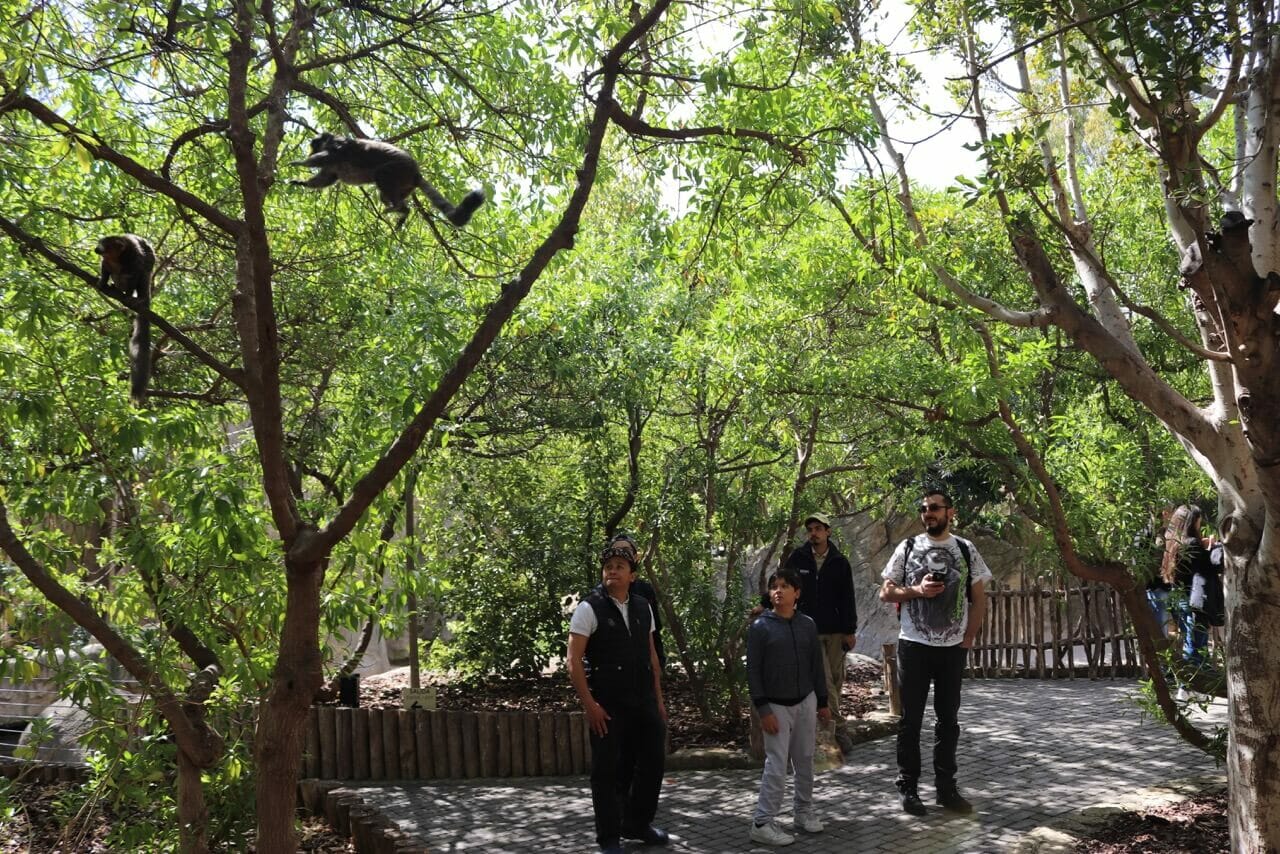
(910,542)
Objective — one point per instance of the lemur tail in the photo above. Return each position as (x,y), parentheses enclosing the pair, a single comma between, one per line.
(459,215)
(140,359)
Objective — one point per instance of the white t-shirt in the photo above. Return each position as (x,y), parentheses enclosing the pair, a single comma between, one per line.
(583,621)
(934,621)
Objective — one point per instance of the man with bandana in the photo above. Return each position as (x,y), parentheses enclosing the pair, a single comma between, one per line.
(614,668)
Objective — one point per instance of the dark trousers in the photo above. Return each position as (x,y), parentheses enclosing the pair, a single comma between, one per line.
(918,665)
(643,734)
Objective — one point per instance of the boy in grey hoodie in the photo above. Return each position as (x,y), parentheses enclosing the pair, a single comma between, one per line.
(789,691)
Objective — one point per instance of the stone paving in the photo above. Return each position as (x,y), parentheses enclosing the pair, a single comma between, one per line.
(1030,751)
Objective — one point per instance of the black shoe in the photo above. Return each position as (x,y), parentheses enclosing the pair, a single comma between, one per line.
(612,848)
(911,803)
(952,801)
(648,834)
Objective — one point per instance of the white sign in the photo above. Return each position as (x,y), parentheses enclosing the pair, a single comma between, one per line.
(419,698)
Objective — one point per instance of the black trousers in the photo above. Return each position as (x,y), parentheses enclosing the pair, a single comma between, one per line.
(639,733)
(919,665)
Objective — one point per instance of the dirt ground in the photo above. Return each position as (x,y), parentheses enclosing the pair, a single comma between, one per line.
(1194,826)
(38,824)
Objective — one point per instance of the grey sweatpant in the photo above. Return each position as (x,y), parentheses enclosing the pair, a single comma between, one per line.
(797,726)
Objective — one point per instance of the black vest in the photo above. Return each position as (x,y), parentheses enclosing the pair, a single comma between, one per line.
(618,666)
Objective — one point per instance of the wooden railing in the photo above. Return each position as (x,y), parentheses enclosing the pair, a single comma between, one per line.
(394,744)
(1055,633)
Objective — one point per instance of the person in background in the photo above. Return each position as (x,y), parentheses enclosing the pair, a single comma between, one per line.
(826,595)
(1186,567)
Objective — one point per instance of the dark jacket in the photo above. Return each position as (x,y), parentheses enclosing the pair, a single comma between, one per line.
(784,661)
(1193,560)
(826,596)
(619,670)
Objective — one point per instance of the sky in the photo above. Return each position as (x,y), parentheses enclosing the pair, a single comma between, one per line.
(934,152)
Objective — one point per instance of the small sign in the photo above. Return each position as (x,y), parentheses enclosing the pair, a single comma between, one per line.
(419,698)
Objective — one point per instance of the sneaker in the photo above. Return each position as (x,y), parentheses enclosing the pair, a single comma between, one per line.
(808,823)
(1182,696)
(911,802)
(770,834)
(952,801)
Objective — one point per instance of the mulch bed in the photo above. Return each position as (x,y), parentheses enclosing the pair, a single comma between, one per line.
(39,824)
(1195,826)
(554,693)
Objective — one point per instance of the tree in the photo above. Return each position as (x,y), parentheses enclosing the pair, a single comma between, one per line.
(172,120)
(1187,85)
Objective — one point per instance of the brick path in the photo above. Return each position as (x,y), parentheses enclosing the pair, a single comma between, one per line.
(1029,751)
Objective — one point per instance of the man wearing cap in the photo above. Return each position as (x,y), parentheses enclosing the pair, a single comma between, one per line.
(613,666)
(826,595)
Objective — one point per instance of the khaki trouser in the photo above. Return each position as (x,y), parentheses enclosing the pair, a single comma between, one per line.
(833,665)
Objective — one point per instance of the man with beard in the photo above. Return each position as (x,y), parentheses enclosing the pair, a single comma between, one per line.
(826,596)
(938,579)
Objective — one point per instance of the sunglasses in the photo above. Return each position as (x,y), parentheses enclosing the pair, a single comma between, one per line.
(934,508)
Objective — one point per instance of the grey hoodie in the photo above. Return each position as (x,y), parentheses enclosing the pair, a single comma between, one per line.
(784,661)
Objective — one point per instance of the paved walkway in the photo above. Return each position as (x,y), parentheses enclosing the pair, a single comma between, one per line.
(1030,751)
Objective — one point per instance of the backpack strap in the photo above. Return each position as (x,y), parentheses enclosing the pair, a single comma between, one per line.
(968,568)
(965,552)
(906,553)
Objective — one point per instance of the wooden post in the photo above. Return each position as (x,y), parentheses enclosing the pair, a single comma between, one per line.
(439,745)
(1040,638)
(564,754)
(453,731)
(755,743)
(377,760)
(408,745)
(360,744)
(891,687)
(547,743)
(311,757)
(1070,632)
(577,763)
(488,738)
(343,718)
(391,743)
(422,741)
(471,744)
(503,725)
(530,723)
(328,743)
(515,724)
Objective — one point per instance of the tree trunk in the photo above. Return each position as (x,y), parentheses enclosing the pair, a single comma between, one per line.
(278,746)
(1253,750)
(193,814)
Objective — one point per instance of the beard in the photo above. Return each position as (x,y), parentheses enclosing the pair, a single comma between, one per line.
(936,529)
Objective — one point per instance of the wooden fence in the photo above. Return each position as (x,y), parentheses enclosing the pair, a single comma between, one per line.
(1058,632)
(394,744)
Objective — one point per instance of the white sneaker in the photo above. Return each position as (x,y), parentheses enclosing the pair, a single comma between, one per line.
(1181,696)
(770,834)
(809,823)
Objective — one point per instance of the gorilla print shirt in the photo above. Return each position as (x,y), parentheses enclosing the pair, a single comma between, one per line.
(934,621)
